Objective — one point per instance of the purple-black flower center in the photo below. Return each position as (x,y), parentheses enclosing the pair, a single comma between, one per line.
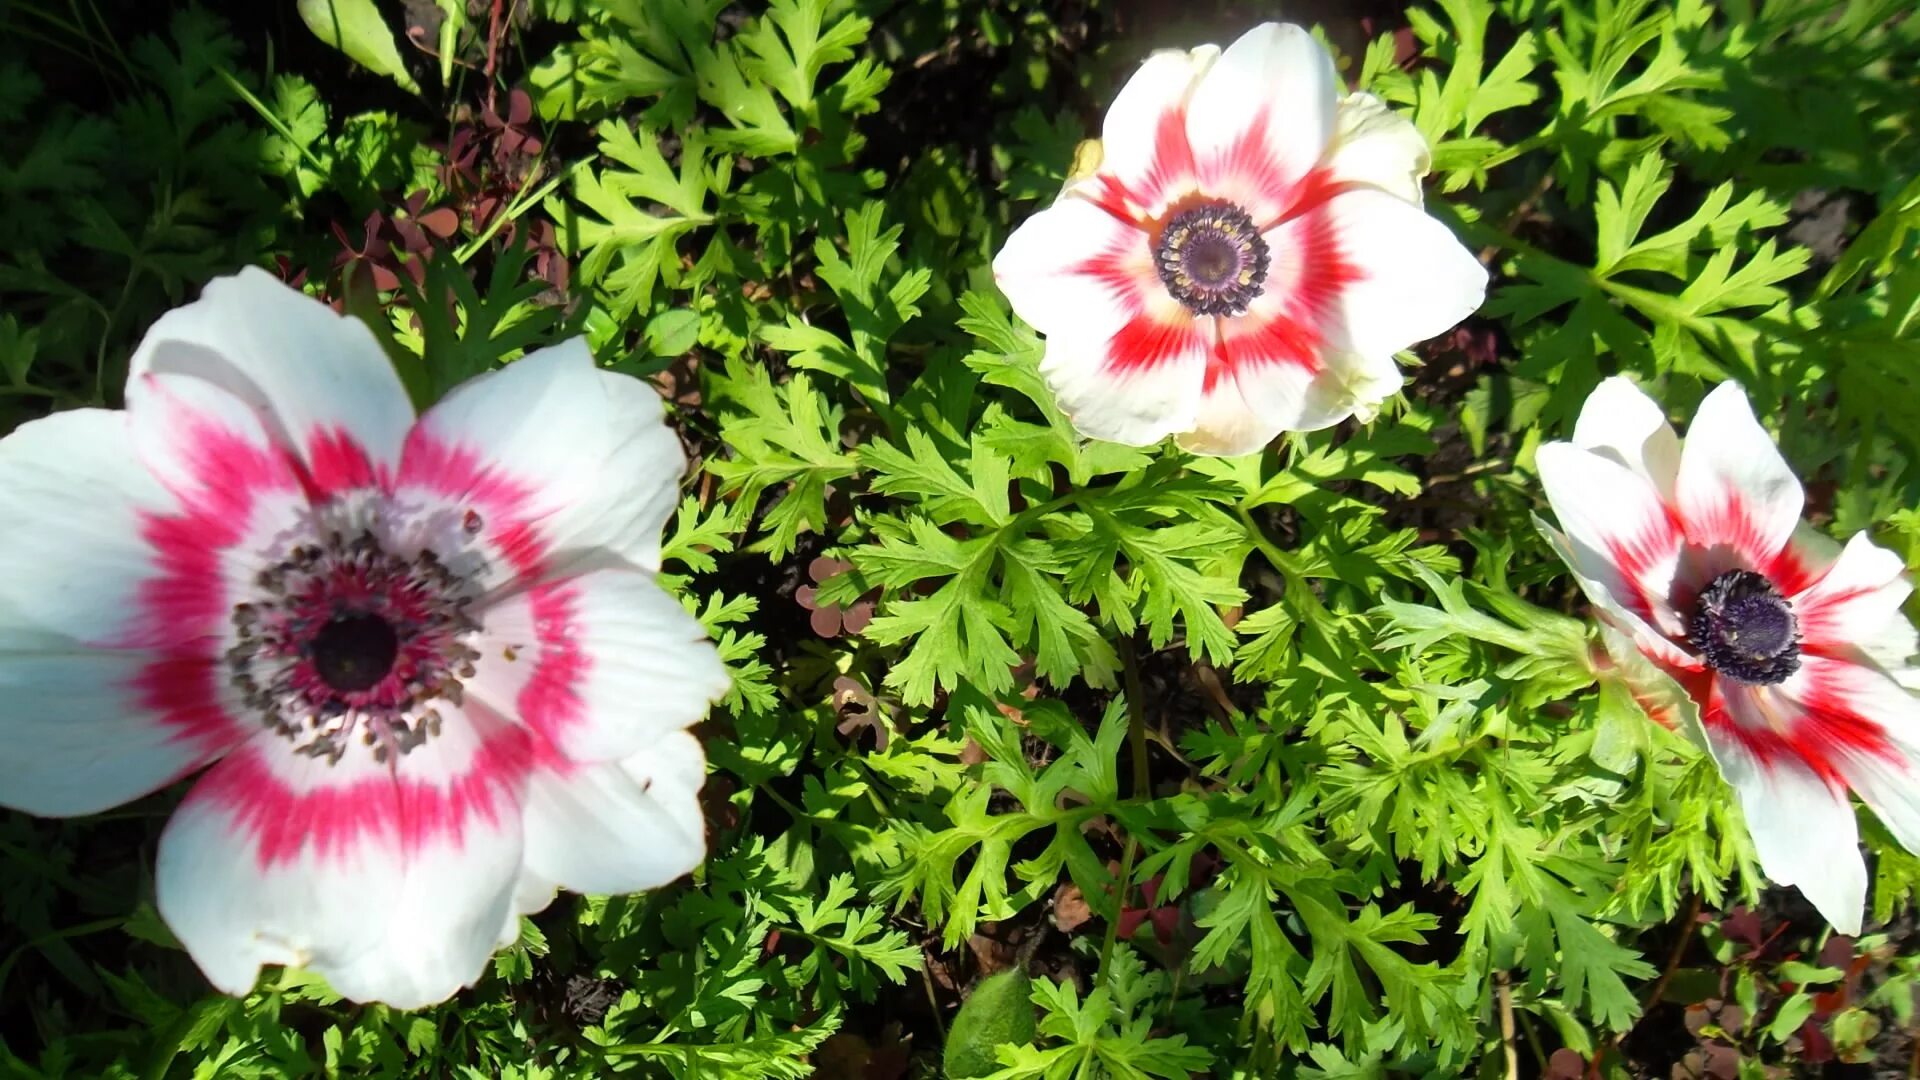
(1745,629)
(1212,259)
(344,642)
(354,651)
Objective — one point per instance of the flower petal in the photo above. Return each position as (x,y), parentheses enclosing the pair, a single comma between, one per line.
(1411,278)
(392,882)
(1648,641)
(75,498)
(210,451)
(1735,492)
(1620,422)
(1145,163)
(1246,405)
(1862,727)
(1075,268)
(1136,387)
(1283,366)
(1261,117)
(560,462)
(602,665)
(1622,540)
(1803,827)
(1856,604)
(1374,145)
(621,826)
(85,731)
(322,386)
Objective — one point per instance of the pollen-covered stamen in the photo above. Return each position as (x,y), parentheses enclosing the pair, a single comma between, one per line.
(1212,259)
(345,642)
(1745,629)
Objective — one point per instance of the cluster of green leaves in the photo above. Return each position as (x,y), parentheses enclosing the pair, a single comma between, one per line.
(1326,714)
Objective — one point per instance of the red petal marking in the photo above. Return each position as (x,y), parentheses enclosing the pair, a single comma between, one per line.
(1793,573)
(337,463)
(1110,194)
(183,690)
(1248,169)
(1294,334)
(1730,523)
(1172,167)
(1657,540)
(465,475)
(187,598)
(1146,343)
(1819,629)
(1120,268)
(281,823)
(1825,733)
(550,703)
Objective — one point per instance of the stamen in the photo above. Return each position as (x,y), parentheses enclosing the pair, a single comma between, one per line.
(1745,629)
(1212,259)
(345,644)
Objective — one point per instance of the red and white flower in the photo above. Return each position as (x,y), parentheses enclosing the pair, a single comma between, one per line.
(1785,653)
(1247,259)
(425,659)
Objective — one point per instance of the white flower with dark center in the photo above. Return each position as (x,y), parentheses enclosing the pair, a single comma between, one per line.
(1784,652)
(1248,258)
(426,660)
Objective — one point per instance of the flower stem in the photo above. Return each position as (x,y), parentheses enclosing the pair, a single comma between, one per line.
(1137,741)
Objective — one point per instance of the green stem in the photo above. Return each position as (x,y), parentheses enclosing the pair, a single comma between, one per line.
(514,209)
(1137,740)
(272,121)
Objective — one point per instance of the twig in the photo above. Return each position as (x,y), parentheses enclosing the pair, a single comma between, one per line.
(1137,740)
(1503,989)
(1521,210)
(1673,959)
(1666,976)
(933,1002)
(493,52)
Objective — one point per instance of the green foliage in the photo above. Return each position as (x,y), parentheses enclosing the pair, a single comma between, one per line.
(997,1013)
(1321,727)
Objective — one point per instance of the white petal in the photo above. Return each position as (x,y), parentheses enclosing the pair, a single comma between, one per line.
(1377,146)
(1413,279)
(1856,603)
(75,501)
(1648,641)
(1244,410)
(1619,421)
(1114,389)
(1143,142)
(391,883)
(83,731)
(602,665)
(1859,724)
(1803,828)
(560,461)
(319,381)
(207,446)
(1735,492)
(1622,540)
(1261,118)
(1044,270)
(622,826)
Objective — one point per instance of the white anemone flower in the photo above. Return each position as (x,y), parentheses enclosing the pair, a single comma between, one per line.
(1784,652)
(424,662)
(1246,260)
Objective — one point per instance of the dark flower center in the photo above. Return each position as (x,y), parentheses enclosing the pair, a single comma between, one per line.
(1212,259)
(343,642)
(354,652)
(1745,629)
